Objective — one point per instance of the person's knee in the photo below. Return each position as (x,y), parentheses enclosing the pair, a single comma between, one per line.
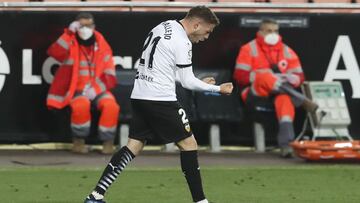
(188,144)
(135,146)
(264,84)
(283,100)
(264,79)
(80,106)
(111,105)
(284,107)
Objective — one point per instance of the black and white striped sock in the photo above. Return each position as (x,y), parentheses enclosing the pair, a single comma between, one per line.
(116,165)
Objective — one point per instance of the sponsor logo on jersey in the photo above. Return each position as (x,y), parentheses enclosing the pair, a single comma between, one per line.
(142,76)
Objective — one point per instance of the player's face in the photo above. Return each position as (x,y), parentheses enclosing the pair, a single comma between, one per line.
(201,32)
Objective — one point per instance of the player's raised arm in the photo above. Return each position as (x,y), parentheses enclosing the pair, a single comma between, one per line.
(189,81)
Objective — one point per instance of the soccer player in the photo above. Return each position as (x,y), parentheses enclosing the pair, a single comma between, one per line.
(166,57)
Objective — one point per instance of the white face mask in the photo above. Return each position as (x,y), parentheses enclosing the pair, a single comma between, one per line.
(272,39)
(85,33)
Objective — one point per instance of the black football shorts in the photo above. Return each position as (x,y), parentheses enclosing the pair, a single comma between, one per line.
(166,120)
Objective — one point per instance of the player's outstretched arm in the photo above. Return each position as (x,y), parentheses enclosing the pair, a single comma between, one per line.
(189,81)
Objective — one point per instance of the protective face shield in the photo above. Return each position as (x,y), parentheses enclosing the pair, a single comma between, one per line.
(272,38)
(85,33)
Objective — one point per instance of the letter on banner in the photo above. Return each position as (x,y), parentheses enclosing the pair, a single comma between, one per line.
(344,49)
(46,69)
(4,67)
(28,78)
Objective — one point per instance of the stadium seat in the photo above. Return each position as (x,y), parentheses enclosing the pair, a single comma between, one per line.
(122,92)
(263,117)
(206,102)
(216,108)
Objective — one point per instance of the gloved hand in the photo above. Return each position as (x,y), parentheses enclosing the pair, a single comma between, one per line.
(74,26)
(293,79)
(90,93)
(280,76)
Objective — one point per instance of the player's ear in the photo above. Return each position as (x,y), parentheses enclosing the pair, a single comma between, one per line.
(196,26)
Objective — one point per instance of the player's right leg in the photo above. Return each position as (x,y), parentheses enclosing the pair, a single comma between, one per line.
(190,167)
(139,132)
(116,165)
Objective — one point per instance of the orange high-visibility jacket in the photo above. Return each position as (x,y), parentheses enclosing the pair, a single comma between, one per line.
(66,51)
(257,56)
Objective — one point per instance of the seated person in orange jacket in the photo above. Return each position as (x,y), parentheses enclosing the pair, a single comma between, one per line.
(85,76)
(268,68)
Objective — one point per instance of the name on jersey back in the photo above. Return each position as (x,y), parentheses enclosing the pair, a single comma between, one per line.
(168,30)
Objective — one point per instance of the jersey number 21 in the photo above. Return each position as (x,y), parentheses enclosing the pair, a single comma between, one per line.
(151,44)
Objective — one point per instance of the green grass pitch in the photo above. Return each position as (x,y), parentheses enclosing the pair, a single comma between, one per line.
(338,184)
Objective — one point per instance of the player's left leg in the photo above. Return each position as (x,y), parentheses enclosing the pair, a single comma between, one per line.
(191,169)
(116,165)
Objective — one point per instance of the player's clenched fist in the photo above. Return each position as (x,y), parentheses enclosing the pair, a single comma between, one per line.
(226,88)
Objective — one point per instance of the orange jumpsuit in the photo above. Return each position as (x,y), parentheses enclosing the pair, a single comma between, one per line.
(254,73)
(83,66)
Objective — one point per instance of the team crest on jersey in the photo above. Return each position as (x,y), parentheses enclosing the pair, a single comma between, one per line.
(187,127)
(190,54)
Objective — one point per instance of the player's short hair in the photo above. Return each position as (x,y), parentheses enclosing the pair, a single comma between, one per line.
(203,13)
(266,22)
(84,15)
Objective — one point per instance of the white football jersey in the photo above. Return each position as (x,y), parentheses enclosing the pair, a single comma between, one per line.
(166,49)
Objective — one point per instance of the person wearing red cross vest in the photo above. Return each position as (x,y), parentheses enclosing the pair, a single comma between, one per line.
(84,79)
(268,68)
